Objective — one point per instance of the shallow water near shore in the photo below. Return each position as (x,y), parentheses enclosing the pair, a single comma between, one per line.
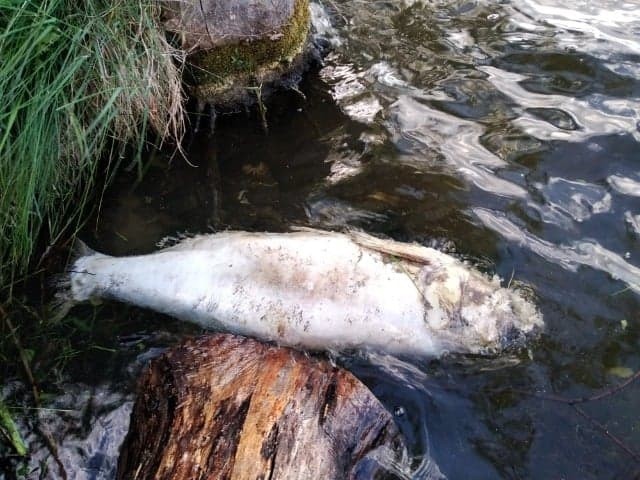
(506,133)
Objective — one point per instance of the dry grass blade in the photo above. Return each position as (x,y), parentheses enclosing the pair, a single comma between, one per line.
(79,82)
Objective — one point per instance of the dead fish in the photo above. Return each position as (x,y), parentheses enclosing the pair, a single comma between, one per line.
(316,290)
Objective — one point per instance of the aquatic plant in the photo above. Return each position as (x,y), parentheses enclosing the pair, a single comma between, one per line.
(78,80)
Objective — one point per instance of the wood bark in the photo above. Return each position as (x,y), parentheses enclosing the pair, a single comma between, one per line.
(228,407)
(207,24)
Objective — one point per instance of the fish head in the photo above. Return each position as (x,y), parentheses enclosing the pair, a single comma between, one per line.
(501,319)
(472,313)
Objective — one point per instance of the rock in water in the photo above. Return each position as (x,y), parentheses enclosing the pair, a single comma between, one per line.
(238,46)
(316,290)
(230,407)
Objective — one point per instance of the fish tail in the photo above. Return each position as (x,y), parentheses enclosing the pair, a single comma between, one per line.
(65,298)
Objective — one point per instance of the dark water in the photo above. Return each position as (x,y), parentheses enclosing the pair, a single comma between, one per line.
(506,132)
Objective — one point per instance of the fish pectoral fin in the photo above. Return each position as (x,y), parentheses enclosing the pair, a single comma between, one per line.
(408,251)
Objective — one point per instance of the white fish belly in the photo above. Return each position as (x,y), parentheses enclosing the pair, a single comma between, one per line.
(350,298)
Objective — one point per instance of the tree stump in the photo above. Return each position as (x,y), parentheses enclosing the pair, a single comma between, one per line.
(228,407)
(239,48)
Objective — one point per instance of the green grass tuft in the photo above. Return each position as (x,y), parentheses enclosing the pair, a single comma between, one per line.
(78,80)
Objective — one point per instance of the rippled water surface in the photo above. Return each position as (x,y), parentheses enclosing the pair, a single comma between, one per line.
(505,132)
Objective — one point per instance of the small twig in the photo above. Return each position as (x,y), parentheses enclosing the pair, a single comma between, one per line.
(627,288)
(261,106)
(609,392)
(606,433)
(298,91)
(53,448)
(86,272)
(541,396)
(45,409)
(206,24)
(46,436)
(23,356)
(575,401)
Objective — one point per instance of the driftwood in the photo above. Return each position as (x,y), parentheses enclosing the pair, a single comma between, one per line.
(229,407)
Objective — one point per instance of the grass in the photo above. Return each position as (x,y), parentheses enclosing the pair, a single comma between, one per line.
(10,431)
(80,83)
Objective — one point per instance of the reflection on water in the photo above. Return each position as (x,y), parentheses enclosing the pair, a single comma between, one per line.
(570,257)
(506,132)
(529,111)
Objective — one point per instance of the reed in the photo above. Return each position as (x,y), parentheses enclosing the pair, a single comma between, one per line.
(80,83)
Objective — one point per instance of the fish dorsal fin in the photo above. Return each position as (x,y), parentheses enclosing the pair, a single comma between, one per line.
(408,251)
(198,242)
(412,252)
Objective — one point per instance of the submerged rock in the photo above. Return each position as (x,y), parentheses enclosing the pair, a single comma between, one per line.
(235,47)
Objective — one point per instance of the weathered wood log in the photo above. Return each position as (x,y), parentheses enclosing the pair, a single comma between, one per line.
(227,407)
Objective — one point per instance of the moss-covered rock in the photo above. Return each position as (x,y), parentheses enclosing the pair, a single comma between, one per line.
(237,46)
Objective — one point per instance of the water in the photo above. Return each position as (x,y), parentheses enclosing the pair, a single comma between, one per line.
(507,133)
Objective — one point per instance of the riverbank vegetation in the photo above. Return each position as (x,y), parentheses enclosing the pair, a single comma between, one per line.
(80,83)
(84,86)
